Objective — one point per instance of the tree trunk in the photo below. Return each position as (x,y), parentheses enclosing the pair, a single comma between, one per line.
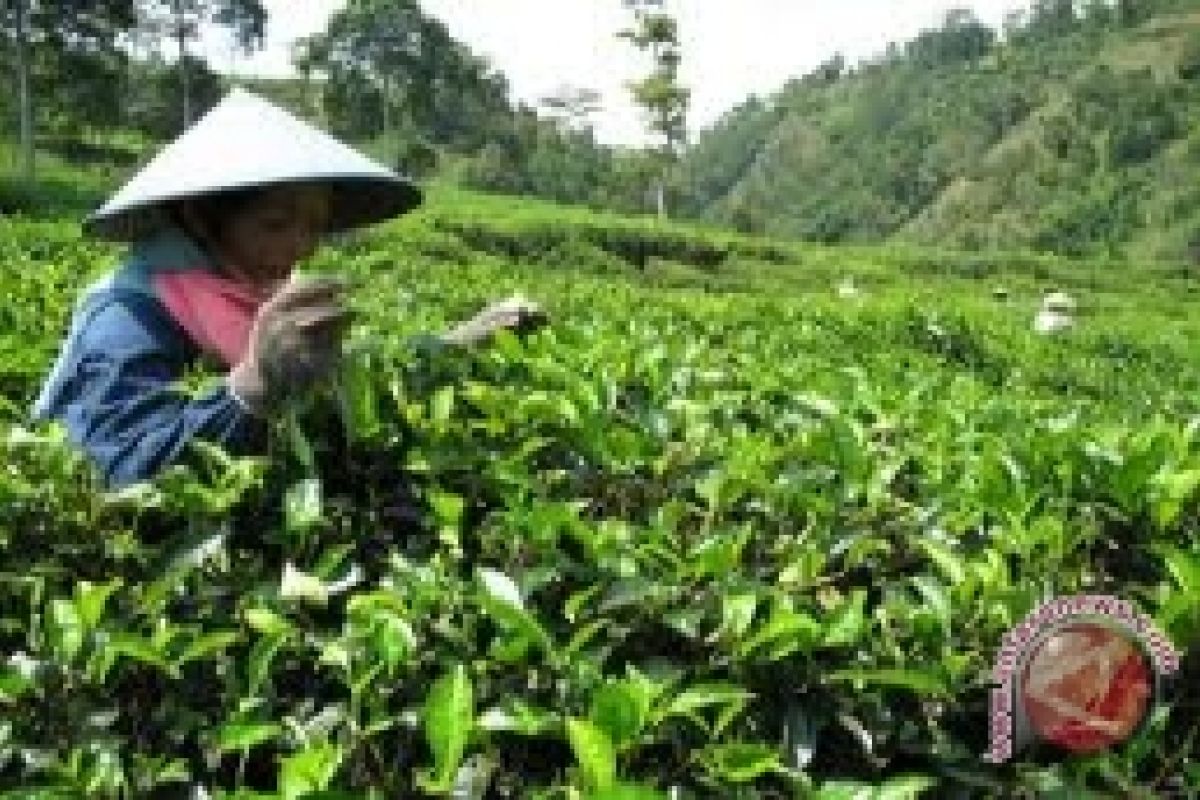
(389,141)
(28,166)
(185,83)
(660,198)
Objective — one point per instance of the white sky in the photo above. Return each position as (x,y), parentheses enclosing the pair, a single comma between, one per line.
(731,48)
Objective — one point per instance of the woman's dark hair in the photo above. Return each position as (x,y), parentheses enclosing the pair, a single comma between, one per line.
(210,214)
(205,218)
(213,211)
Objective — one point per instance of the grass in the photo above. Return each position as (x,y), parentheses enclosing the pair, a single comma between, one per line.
(61,188)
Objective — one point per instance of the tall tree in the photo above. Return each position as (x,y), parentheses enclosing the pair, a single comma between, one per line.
(49,33)
(373,54)
(1051,18)
(390,69)
(961,38)
(21,48)
(660,93)
(181,21)
(571,106)
(1134,12)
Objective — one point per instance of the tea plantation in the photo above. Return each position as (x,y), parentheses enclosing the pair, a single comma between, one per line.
(720,531)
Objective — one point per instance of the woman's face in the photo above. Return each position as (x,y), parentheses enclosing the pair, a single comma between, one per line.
(264,241)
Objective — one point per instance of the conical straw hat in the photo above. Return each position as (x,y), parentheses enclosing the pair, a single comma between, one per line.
(246,142)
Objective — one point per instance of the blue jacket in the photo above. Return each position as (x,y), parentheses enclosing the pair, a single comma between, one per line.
(115,383)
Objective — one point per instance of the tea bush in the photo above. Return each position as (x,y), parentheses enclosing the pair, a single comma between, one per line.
(688,543)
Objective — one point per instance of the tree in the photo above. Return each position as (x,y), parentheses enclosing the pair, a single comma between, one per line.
(1013,25)
(46,34)
(961,38)
(369,55)
(20,20)
(151,95)
(1188,67)
(391,70)
(181,21)
(571,106)
(378,58)
(1052,18)
(660,93)
(831,70)
(1099,14)
(1134,12)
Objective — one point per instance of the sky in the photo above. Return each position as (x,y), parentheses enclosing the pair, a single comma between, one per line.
(731,48)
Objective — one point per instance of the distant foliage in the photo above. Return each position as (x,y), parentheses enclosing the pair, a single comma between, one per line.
(1071,129)
(961,38)
(1066,134)
(1189,61)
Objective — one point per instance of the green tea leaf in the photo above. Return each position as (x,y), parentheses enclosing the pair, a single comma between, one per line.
(357,399)
(138,648)
(392,639)
(740,762)
(449,717)
(1184,567)
(266,621)
(90,600)
(594,753)
(937,601)
(259,664)
(783,633)
(799,736)
(846,790)
(620,709)
(1172,490)
(719,554)
(303,506)
(442,406)
(849,624)
(502,600)
(583,636)
(948,562)
(310,770)
(206,645)
(237,736)
(904,787)
(706,696)
(302,450)
(65,629)
(627,791)
(13,684)
(920,681)
(737,613)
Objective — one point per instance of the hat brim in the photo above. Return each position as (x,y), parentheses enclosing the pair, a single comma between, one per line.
(356,201)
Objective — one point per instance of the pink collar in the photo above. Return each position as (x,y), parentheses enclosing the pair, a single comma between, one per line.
(216,312)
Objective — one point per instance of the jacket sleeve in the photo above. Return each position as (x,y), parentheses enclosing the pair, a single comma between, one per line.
(122,401)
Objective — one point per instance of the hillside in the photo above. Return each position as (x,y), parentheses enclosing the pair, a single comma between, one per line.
(1077,140)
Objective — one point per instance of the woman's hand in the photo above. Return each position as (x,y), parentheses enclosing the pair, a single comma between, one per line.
(514,313)
(295,342)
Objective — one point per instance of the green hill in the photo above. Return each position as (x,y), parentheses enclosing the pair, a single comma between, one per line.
(1075,137)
